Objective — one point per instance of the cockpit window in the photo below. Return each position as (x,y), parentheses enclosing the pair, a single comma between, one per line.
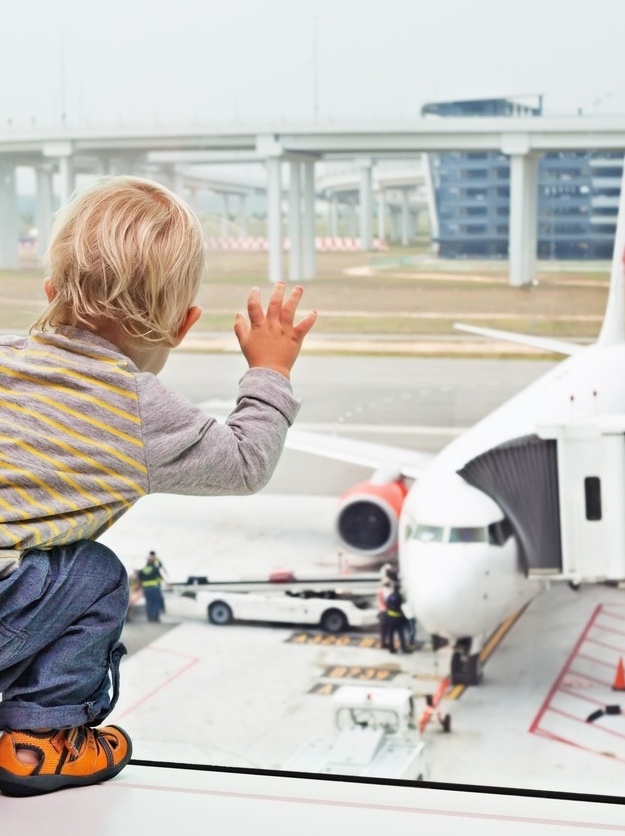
(467,535)
(428,533)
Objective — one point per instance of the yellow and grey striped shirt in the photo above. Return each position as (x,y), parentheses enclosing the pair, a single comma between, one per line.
(84,434)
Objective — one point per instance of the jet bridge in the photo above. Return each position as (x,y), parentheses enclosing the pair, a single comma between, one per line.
(563,491)
(591,473)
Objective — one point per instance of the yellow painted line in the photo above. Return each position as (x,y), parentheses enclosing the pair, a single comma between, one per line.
(493,642)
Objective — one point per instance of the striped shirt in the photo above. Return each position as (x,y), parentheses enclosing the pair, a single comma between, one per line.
(84,434)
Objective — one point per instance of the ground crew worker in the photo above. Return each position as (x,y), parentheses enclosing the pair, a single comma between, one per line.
(396,620)
(151,577)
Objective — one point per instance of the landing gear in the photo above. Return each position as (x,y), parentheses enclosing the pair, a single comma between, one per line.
(466,667)
(438,642)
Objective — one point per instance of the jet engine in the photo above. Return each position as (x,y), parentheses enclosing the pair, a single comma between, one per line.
(368,517)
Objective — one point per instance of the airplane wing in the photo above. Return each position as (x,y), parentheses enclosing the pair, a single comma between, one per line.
(404,462)
(396,461)
(543,343)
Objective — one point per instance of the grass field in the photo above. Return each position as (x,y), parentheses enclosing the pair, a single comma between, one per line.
(399,293)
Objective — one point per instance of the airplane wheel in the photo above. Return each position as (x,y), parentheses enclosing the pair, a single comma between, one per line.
(219,613)
(333,621)
(446,723)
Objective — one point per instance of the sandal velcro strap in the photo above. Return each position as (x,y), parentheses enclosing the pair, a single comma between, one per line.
(66,758)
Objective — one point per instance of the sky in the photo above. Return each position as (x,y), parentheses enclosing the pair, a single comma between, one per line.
(139,62)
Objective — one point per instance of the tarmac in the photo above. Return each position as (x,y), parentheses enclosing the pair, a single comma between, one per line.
(252,695)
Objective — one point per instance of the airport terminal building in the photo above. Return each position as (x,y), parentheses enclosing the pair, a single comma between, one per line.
(578,194)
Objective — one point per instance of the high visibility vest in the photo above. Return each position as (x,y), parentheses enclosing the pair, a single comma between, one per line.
(150,576)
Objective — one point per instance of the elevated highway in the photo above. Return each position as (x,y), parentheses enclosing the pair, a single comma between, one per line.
(125,149)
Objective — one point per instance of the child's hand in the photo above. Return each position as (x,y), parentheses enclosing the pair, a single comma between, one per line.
(271,340)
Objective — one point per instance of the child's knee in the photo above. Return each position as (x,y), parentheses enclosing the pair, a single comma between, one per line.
(96,564)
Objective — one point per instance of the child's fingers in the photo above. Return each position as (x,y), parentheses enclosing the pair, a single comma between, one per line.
(274,308)
(303,327)
(241,328)
(254,306)
(290,306)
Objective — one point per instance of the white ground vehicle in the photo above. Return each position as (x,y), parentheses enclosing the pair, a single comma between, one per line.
(377,737)
(325,608)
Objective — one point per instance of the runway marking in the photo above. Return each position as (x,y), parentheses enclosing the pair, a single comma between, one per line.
(352,672)
(373,674)
(342,640)
(563,716)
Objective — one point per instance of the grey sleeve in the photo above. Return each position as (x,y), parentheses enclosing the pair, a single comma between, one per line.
(189,452)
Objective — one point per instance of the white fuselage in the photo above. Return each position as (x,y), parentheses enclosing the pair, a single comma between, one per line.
(459,579)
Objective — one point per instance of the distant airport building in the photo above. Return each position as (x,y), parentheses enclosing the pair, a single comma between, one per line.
(578,193)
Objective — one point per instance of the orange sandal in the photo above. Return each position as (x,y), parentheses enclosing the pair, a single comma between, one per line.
(67,758)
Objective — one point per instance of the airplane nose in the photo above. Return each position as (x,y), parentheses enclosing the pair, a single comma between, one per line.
(443,586)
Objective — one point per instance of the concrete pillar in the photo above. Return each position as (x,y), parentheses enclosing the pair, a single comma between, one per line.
(395,224)
(66,179)
(352,217)
(381,215)
(274,217)
(225,216)
(242,216)
(43,207)
(333,216)
(523,217)
(61,152)
(405,218)
(366,204)
(431,200)
(9,229)
(295,219)
(309,226)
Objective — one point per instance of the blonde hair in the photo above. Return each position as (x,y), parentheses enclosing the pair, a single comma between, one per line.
(125,251)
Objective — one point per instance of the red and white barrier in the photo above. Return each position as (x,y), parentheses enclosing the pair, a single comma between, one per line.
(327,244)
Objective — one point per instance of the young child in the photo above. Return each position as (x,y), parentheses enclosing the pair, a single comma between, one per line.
(86,429)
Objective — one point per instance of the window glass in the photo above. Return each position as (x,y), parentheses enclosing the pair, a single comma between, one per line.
(429,533)
(264,130)
(467,535)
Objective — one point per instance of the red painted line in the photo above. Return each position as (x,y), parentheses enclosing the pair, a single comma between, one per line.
(164,684)
(602,682)
(610,613)
(558,739)
(598,643)
(596,661)
(613,630)
(563,672)
(583,697)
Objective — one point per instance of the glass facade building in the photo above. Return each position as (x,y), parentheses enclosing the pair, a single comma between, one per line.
(578,194)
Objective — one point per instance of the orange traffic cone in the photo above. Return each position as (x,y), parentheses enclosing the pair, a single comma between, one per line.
(619,679)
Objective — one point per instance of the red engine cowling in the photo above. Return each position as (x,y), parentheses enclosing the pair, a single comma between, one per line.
(368,517)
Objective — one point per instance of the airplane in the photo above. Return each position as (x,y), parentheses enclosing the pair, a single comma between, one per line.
(511,504)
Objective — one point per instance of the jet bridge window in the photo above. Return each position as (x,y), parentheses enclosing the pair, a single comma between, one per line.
(592,493)
(429,533)
(467,535)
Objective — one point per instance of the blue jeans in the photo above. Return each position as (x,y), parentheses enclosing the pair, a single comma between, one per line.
(61,617)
